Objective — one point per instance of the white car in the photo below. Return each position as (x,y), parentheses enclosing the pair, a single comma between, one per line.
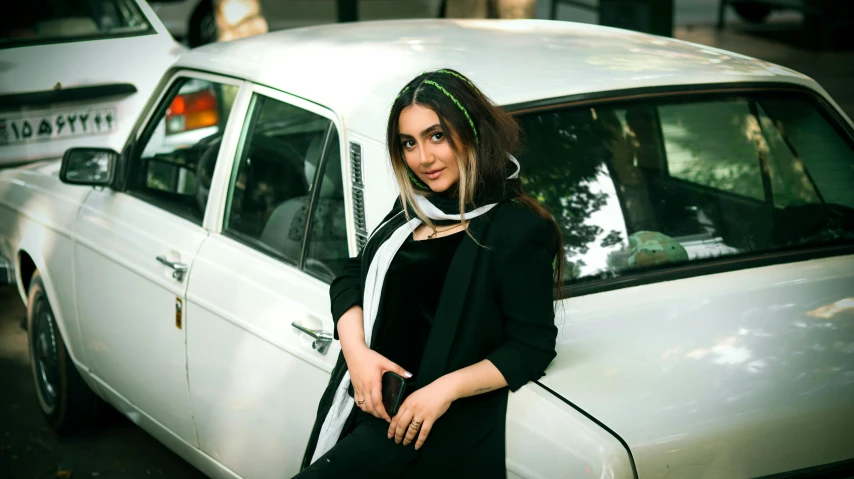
(706,326)
(77,75)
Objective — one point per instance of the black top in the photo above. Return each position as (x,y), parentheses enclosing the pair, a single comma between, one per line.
(496,304)
(411,293)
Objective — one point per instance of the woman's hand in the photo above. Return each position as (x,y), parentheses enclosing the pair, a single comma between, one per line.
(365,365)
(420,411)
(366,368)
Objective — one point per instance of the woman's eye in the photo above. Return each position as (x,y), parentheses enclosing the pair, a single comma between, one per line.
(438,136)
(407,144)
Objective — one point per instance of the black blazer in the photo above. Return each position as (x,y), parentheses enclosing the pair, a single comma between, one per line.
(496,304)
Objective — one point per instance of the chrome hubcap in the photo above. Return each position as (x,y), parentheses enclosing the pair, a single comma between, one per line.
(46,355)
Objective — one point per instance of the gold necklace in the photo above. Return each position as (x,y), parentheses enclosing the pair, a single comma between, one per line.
(435,231)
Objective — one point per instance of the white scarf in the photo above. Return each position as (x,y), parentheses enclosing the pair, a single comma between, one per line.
(342,404)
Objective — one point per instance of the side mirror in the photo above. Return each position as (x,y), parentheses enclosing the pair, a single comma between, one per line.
(88,166)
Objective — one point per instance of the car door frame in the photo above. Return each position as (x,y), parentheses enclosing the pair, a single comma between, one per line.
(215,217)
(217,201)
(229,137)
(248,315)
(153,106)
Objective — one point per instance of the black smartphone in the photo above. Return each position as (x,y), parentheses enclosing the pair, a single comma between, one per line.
(393,388)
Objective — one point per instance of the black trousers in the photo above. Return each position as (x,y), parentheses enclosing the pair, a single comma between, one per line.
(368,452)
(365,452)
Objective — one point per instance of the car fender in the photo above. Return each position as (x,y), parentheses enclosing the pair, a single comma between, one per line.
(547,436)
(41,246)
(40,213)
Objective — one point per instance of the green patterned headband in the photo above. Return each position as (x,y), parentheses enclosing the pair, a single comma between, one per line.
(460,105)
(449,95)
(449,72)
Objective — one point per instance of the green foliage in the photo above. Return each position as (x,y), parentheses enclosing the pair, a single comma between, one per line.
(564,153)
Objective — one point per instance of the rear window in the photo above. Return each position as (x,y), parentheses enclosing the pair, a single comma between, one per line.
(661,183)
(44,21)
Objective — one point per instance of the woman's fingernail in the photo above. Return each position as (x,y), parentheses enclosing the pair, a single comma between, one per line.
(389,435)
(407,374)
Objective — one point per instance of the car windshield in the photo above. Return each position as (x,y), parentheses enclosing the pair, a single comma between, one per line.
(653,183)
(51,21)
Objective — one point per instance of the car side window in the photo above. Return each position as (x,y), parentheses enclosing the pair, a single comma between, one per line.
(654,184)
(327,249)
(173,162)
(730,155)
(289,171)
(723,156)
(820,154)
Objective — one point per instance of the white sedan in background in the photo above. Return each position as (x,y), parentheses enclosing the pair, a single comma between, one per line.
(706,323)
(77,74)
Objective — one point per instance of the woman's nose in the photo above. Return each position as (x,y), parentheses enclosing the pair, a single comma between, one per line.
(426,156)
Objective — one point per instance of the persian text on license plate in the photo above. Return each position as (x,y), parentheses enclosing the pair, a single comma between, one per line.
(51,126)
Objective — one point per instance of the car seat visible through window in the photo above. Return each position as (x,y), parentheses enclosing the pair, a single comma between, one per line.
(284,230)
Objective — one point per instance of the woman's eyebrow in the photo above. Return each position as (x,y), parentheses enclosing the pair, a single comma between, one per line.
(427,131)
(430,129)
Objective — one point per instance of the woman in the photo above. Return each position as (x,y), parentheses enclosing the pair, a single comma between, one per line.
(452,291)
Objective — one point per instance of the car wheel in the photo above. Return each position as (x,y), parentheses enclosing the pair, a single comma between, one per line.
(202,28)
(64,398)
(752,12)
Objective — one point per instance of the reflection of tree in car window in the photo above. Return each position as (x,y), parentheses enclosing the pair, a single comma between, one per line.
(563,155)
(656,183)
(627,141)
(713,144)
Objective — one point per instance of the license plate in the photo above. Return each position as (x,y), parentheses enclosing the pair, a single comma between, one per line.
(46,126)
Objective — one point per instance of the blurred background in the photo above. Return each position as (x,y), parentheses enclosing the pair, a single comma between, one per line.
(816,24)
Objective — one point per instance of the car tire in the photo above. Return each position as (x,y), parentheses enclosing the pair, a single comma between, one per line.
(752,12)
(202,27)
(64,398)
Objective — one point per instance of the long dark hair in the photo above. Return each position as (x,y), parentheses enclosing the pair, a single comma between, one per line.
(480,133)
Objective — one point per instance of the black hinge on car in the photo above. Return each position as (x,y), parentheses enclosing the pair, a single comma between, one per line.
(358,194)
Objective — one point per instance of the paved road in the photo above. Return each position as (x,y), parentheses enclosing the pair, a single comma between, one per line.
(28,449)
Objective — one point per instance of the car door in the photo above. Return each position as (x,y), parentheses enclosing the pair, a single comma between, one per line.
(255,379)
(133,250)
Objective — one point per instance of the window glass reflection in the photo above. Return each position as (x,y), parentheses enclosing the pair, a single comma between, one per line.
(652,184)
(174,162)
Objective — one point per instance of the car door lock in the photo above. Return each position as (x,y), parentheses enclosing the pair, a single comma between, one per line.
(322,339)
(178,269)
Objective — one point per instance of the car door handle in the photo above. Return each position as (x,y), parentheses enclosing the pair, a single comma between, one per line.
(322,339)
(178,269)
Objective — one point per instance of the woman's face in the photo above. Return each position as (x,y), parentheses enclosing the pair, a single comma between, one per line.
(426,148)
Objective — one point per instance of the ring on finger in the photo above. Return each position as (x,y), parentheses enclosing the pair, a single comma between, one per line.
(360,402)
(416,425)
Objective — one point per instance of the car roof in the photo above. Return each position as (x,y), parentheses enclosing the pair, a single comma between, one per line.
(357,69)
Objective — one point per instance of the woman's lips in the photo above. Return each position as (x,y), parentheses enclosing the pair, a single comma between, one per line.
(433,174)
